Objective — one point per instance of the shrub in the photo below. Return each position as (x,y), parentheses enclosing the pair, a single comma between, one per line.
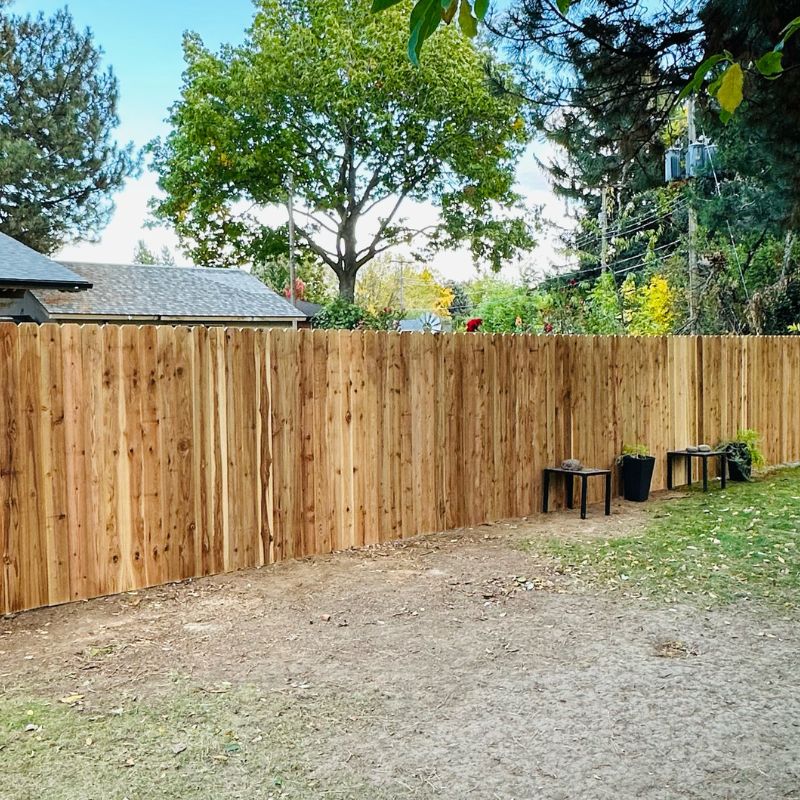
(340,314)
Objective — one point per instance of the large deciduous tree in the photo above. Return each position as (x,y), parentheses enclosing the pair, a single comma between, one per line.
(322,95)
(59,162)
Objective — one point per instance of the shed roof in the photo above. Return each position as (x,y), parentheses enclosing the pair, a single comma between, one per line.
(21,267)
(135,291)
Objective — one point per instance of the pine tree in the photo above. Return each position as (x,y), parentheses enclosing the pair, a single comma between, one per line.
(59,163)
(144,255)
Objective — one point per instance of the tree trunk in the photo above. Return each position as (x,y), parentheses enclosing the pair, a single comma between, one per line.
(347,286)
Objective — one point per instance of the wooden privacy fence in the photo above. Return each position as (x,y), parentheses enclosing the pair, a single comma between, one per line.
(133,456)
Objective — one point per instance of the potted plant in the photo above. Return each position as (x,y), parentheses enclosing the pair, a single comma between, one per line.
(744,455)
(637,467)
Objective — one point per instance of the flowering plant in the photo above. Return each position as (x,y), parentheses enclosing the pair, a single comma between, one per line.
(299,290)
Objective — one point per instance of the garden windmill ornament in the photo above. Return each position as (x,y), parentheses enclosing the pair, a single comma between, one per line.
(430,322)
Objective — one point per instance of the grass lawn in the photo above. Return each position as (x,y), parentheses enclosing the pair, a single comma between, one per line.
(224,742)
(715,547)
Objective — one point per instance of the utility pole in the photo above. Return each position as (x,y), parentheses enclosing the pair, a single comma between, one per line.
(402,292)
(787,252)
(290,209)
(604,229)
(692,231)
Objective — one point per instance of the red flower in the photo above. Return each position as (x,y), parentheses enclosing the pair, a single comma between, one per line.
(474,324)
(299,290)
(573,282)
(548,327)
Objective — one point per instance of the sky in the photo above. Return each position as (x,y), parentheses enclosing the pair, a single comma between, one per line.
(142,43)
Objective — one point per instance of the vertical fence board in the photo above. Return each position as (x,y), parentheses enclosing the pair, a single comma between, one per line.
(130,498)
(53,464)
(10,465)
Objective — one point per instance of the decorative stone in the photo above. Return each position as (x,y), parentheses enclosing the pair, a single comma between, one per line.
(704,448)
(691,448)
(572,464)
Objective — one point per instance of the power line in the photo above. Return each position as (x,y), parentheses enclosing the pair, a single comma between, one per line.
(658,259)
(676,201)
(631,227)
(575,269)
(588,241)
(644,255)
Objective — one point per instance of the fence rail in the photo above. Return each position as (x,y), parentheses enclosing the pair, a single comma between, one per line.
(134,456)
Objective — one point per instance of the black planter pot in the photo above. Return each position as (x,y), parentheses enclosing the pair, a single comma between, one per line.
(740,462)
(637,474)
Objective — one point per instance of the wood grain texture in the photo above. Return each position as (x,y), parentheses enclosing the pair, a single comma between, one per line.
(132,456)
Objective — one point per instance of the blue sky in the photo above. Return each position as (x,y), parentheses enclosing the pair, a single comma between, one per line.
(142,44)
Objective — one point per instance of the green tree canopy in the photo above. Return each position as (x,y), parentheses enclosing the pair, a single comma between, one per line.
(313,282)
(59,163)
(322,91)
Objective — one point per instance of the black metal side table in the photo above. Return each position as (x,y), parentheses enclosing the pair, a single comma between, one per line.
(584,474)
(703,456)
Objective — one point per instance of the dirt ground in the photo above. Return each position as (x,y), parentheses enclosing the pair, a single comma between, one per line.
(450,666)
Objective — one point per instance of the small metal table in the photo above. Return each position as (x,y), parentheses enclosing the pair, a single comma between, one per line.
(703,456)
(584,474)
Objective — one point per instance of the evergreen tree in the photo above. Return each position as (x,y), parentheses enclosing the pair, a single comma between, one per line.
(59,163)
(144,255)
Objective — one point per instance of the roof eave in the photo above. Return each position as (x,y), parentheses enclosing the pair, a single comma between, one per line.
(60,286)
(183,320)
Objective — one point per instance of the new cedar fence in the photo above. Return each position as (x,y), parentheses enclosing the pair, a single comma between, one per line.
(133,456)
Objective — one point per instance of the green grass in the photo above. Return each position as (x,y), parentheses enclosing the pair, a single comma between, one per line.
(184,743)
(719,547)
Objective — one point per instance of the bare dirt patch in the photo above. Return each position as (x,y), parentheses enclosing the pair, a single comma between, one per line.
(455,665)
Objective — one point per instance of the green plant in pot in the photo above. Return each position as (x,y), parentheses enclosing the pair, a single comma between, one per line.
(637,466)
(744,455)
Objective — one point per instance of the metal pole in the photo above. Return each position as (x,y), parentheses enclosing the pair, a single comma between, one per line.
(290,209)
(692,232)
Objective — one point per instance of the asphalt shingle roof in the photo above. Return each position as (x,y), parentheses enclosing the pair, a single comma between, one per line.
(191,293)
(21,266)
(309,309)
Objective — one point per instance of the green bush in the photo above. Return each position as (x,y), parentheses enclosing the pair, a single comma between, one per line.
(505,308)
(339,314)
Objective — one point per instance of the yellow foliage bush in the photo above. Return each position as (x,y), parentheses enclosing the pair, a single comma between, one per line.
(649,309)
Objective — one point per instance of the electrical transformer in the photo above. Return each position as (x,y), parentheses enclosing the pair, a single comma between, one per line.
(673,169)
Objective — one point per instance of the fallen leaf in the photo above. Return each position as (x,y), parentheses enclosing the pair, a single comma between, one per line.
(71,699)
